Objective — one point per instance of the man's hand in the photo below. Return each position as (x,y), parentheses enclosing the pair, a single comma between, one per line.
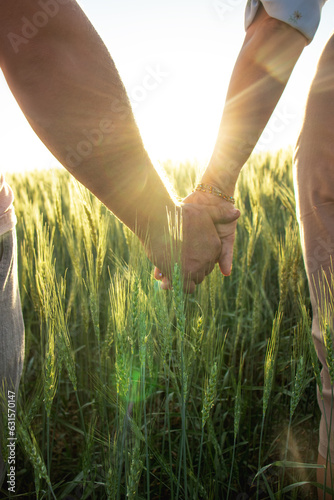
(208,235)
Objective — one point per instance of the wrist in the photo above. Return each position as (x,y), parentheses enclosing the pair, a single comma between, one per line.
(224,183)
(160,224)
(212,190)
(162,239)
(223,178)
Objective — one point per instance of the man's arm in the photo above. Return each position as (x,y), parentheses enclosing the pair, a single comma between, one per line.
(69,90)
(67,85)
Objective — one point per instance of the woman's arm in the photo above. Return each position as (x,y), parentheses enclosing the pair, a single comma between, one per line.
(269,53)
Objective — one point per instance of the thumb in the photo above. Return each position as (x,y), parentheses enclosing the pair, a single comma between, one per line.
(165,284)
(226,256)
(221,215)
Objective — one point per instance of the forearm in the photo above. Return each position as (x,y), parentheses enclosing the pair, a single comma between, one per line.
(69,89)
(266,60)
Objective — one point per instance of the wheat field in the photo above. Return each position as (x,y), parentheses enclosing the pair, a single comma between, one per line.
(130,392)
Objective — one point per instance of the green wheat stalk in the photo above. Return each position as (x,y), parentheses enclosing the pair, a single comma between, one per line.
(210,393)
(30,446)
(237,417)
(269,368)
(180,325)
(136,468)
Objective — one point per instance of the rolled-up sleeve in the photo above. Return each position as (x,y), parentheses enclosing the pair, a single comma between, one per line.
(304,15)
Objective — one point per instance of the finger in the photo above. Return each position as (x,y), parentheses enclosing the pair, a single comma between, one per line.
(221,215)
(226,256)
(158,274)
(165,283)
(199,277)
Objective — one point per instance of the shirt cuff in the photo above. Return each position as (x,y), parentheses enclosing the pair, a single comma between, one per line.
(301,15)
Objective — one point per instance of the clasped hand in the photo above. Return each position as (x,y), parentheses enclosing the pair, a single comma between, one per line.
(208,235)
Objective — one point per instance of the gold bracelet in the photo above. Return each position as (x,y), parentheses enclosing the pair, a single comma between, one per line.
(206,188)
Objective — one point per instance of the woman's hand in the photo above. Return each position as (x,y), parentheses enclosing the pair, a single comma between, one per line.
(225,218)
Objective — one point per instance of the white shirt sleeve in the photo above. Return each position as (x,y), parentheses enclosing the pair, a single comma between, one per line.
(304,15)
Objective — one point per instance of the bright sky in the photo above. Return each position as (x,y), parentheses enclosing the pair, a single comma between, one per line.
(175,59)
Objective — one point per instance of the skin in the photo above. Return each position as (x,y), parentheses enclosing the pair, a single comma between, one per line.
(225,231)
(68,87)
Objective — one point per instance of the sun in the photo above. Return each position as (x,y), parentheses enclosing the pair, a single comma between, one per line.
(177,138)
